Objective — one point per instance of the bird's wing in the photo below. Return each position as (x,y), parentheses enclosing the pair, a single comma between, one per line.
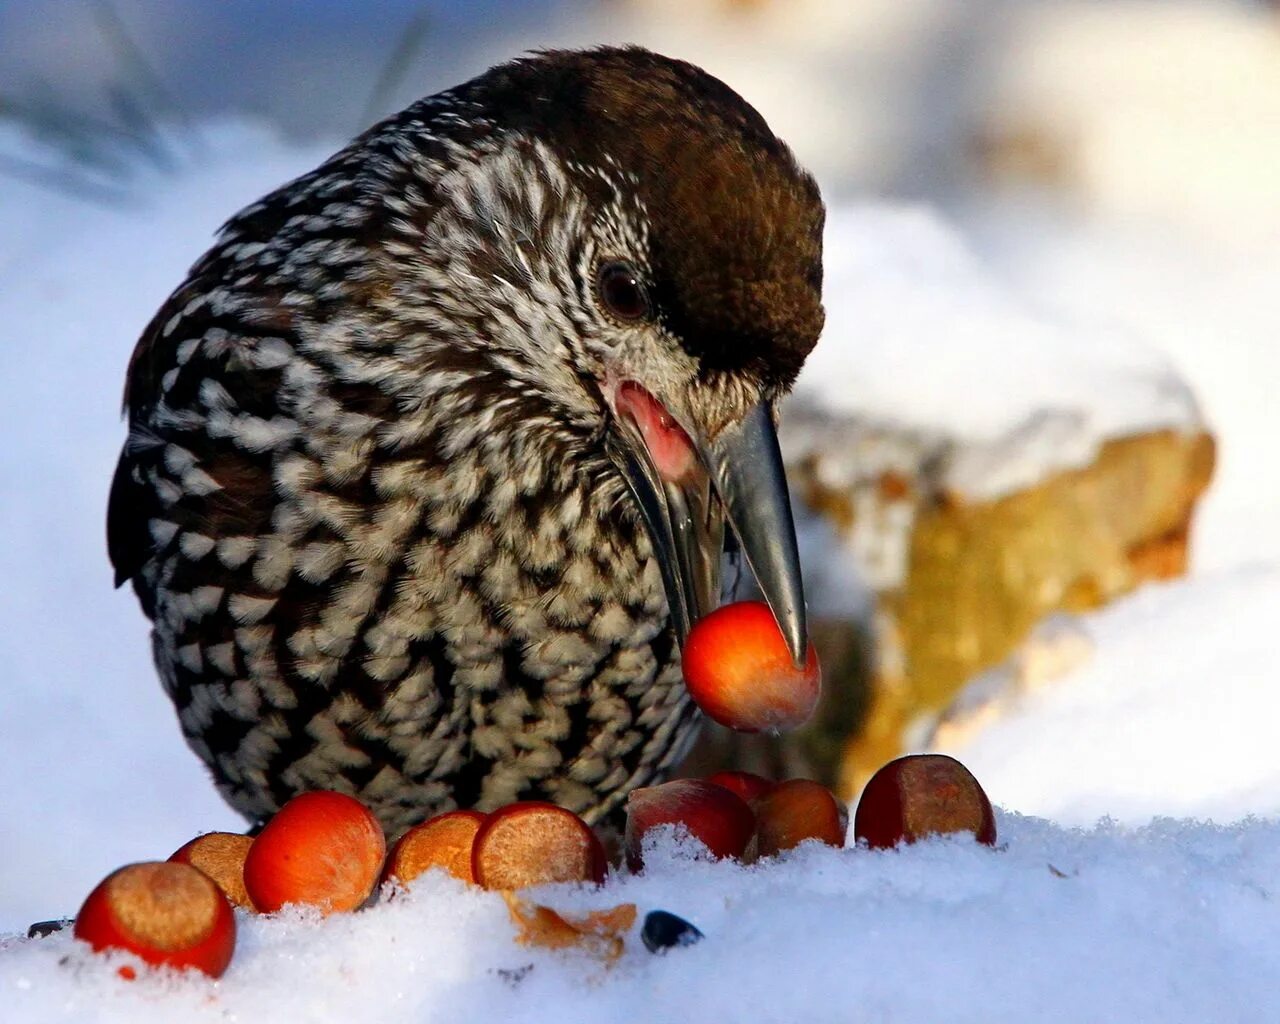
(174,474)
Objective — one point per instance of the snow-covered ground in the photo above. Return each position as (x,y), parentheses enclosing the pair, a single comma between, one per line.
(1172,715)
(1172,923)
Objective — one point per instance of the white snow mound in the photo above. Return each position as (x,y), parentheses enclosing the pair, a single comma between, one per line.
(1173,922)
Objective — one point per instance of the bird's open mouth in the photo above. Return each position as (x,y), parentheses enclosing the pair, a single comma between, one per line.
(687,485)
(669,446)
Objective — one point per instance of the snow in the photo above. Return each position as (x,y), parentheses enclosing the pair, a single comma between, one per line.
(974,320)
(95,772)
(1210,306)
(922,336)
(1171,922)
(1161,109)
(1172,714)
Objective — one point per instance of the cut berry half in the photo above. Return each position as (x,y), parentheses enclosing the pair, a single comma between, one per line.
(921,795)
(445,841)
(165,913)
(221,856)
(715,816)
(794,811)
(322,849)
(534,843)
(739,672)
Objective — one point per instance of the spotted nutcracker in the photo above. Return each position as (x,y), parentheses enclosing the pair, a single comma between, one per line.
(430,457)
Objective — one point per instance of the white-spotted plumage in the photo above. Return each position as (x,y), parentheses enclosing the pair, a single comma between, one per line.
(367,498)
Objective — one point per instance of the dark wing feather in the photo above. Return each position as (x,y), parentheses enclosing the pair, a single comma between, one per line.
(128,539)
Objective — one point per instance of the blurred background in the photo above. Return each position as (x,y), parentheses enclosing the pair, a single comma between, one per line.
(1139,106)
(1033,457)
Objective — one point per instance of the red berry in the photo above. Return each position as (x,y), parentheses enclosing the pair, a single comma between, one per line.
(166,913)
(739,671)
(794,811)
(716,816)
(322,849)
(220,855)
(533,843)
(444,841)
(921,795)
(748,785)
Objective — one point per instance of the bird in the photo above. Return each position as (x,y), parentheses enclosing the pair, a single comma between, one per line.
(429,459)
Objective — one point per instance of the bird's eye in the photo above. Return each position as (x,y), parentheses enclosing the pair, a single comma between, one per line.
(622,291)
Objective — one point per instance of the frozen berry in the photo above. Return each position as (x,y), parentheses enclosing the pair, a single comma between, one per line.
(739,672)
(794,811)
(747,785)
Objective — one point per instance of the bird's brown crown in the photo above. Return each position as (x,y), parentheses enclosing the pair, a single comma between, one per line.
(735,226)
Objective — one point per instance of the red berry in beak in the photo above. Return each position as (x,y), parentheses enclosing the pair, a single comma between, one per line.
(739,672)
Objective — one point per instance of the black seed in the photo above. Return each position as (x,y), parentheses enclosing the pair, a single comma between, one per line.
(42,928)
(664,931)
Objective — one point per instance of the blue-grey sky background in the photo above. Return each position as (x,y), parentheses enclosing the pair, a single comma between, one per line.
(308,66)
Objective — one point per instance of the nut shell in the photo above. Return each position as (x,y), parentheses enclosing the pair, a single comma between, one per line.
(445,841)
(221,856)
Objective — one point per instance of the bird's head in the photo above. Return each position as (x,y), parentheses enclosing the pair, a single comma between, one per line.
(633,245)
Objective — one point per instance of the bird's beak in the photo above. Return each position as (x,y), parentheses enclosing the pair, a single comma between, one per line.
(738,473)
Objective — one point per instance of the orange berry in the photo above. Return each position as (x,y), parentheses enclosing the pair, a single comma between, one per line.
(715,816)
(444,841)
(739,672)
(166,913)
(920,795)
(220,855)
(533,843)
(322,849)
(748,785)
(794,811)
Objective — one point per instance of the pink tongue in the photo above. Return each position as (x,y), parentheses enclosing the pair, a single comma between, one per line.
(669,446)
